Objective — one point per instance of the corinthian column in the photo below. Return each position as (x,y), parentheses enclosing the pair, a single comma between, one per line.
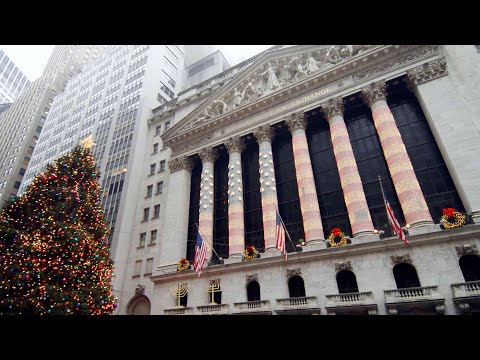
(268,191)
(404,179)
(236,227)
(312,221)
(207,155)
(357,207)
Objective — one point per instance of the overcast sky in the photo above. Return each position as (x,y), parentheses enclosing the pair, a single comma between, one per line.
(31,59)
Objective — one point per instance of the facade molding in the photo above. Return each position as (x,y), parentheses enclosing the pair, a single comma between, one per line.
(428,71)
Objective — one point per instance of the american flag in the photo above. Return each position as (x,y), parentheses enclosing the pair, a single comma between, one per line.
(280,236)
(396,228)
(200,254)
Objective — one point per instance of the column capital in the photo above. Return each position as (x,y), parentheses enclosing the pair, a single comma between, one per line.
(235,144)
(296,121)
(264,133)
(333,107)
(180,163)
(428,71)
(208,154)
(374,92)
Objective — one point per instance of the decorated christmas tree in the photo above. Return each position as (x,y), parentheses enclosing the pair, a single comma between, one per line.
(53,252)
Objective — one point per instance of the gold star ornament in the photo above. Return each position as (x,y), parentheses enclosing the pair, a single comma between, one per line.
(87,142)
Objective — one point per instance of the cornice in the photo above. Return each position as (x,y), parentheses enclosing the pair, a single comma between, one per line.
(463,235)
(428,71)
(372,61)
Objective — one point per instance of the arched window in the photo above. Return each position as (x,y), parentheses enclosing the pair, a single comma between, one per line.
(296,287)
(405,276)
(347,282)
(139,305)
(253,291)
(470,265)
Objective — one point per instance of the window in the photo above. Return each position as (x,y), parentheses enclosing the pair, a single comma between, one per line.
(142,240)
(167,125)
(159,187)
(470,266)
(149,190)
(158,130)
(149,267)
(22,171)
(162,166)
(152,169)
(155,148)
(164,147)
(166,90)
(138,268)
(17,185)
(153,237)
(253,291)
(296,287)
(146,213)
(156,212)
(347,282)
(405,276)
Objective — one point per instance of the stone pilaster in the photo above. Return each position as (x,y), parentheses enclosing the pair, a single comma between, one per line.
(268,191)
(312,221)
(236,227)
(404,179)
(207,155)
(357,207)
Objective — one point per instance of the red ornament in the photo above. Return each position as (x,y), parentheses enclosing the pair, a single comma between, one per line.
(336,232)
(450,212)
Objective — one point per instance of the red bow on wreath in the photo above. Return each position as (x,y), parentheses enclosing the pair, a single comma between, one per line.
(250,249)
(183,261)
(336,232)
(449,211)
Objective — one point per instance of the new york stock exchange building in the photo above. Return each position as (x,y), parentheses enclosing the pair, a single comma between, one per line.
(328,135)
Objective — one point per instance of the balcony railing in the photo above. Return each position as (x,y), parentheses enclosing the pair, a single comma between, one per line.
(298,303)
(425,293)
(217,309)
(179,311)
(467,289)
(350,299)
(247,307)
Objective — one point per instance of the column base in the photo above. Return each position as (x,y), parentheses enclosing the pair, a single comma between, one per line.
(271,252)
(476,217)
(364,233)
(232,259)
(421,224)
(166,269)
(315,245)
(423,229)
(365,238)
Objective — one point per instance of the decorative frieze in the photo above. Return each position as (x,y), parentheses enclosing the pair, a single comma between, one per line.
(333,107)
(293,272)
(397,259)
(251,277)
(180,163)
(264,133)
(466,249)
(374,92)
(208,154)
(343,266)
(235,144)
(296,121)
(140,290)
(428,71)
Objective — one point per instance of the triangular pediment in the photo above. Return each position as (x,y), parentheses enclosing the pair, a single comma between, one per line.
(270,73)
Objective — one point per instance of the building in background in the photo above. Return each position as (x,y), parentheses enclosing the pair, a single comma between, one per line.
(112,100)
(12,80)
(309,129)
(193,53)
(22,122)
(204,69)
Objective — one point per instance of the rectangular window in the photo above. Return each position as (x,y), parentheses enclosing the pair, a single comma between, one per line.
(153,237)
(156,212)
(162,166)
(17,186)
(149,190)
(138,268)
(142,239)
(152,169)
(22,171)
(160,187)
(149,267)
(164,147)
(158,130)
(167,125)
(146,213)
(155,148)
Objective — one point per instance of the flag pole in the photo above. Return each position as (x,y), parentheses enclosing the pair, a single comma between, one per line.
(203,237)
(383,197)
(289,238)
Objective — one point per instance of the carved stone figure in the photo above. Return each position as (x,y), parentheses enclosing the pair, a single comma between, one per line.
(312,64)
(219,107)
(346,51)
(237,98)
(270,74)
(296,67)
(206,115)
(250,91)
(286,77)
(333,57)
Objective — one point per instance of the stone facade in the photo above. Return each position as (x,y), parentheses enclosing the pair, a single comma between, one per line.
(295,87)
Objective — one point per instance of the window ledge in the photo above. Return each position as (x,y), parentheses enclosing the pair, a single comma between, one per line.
(155,217)
(135,276)
(147,274)
(152,244)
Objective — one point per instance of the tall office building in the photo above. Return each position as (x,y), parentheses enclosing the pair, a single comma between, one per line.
(112,100)
(12,80)
(307,130)
(22,123)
